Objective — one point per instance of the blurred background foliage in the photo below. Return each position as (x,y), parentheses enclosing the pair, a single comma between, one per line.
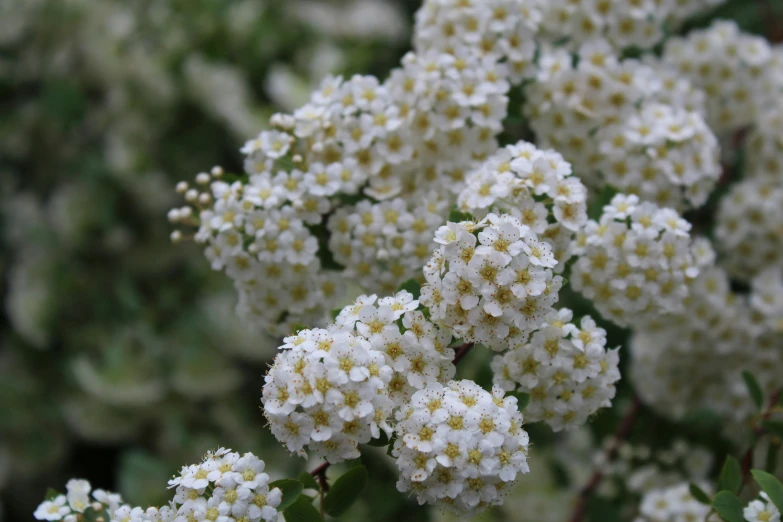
(120,355)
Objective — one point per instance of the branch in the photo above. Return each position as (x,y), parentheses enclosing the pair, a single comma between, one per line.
(461,351)
(747,459)
(774,28)
(320,474)
(595,480)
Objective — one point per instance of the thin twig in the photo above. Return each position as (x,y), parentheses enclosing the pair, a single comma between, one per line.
(320,474)
(774,26)
(595,480)
(747,458)
(461,351)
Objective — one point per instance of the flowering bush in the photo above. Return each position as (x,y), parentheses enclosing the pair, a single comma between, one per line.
(553,223)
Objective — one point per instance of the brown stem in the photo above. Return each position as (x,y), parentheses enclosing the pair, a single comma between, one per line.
(774,28)
(595,479)
(462,351)
(747,458)
(320,474)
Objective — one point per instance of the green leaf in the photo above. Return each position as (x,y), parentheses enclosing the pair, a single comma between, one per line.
(381,441)
(457,216)
(63,100)
(730,476)
(392,440)
(523,399)
(754,389)
(602,510)
(771,463)
(334,313)
(771,486)
(412,286)
(774,427)
(291,490)
(603,198)
(308,481)
(51,494)
(91,515)
(699,494)
(298,327)
(302,511)
(345,491)
(728,506)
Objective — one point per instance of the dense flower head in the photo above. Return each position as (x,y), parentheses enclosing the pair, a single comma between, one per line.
(383,244)
(407,143)
(490,281)
(333,389)
(623,23)
(460,446)
(663,154)
(739,72)
(749,227)
(633,125)
(764,158)
(635,261)
(502,30)
(749,220)
(673,503)
(766,298)
(536,187)
(639,468)
(225,486)
(694,359)
(567,371)
(258,231)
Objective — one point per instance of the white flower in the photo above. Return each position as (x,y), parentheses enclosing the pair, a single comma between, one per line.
(761,511)
(55,509)
(78,494)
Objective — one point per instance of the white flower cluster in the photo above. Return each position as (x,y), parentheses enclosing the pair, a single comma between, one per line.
(68,507)
(749,227)
(567,371)
(740,73)
(694,359)
(641,468)
(460,446)
(634,263)
(665,154)
(431,116)
(674,503)
(333,389)
(624,23)
(632,125)
(491,281)
(503,30)
(764,159)
(766,298)
(254,233)
(414,136)
(749,221)
(226,486)
(536,187)
(761,510)
(383,244)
